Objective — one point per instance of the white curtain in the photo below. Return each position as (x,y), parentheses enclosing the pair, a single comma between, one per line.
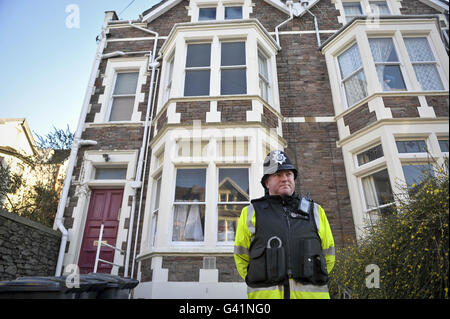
(193,229)
(370,192)
(383,50)
(379,8)
(179,221)
(349,61)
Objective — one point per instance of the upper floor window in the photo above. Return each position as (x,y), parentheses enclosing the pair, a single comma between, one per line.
(123,96)
(424,63)
(352,10)
(387,64)
(206,14)
(370,155)
(198,69)
(233,78)
(169,78)
(379,8)
(264,78)
(443,144)
(353,80)
(233,13)
(416,146)
(358,8)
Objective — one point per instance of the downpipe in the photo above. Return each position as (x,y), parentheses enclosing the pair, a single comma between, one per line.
(137,182)
(73,153)
(316,25)
(289,4)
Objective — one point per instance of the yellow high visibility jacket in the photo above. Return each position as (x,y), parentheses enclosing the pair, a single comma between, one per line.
(243,238)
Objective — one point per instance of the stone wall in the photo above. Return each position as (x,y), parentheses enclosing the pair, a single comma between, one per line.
(27,248)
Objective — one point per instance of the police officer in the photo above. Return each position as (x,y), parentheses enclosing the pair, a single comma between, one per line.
(284,247)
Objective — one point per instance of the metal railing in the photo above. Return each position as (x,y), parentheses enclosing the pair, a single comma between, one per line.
(99,245)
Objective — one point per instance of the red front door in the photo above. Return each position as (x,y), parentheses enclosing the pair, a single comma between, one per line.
(104,209)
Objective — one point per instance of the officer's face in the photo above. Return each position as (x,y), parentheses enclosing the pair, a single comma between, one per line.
(281,183)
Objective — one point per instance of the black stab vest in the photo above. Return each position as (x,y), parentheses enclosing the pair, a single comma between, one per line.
(286,244)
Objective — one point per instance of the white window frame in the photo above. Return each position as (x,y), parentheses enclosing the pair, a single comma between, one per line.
(234,67)
(435,62)
(169,77)
(267,81)
(400,62)
(119,65)
(155,210)
(343,80)
(197,68)
(176,203)
(113,96)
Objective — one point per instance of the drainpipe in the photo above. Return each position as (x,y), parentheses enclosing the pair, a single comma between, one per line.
(305,6)
(137,182)
(289,4)
(77,142)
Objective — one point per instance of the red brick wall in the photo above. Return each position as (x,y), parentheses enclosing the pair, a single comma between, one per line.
(359,118)
(312,148)
(402,106)
(440,104)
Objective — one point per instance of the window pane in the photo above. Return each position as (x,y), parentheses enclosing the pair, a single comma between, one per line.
(190,185)
(262,66)
(233,13)
(157,194)
(352,8)
(428,77)
(418,49)
(383,50)
(379,8)
(206,14)
(110,173)
(198,55)
(443,144)
(188,222)
(126,83)
(390,77)
(233,53)
(349,61)
(411,146)
(122,108)
(377,189)
(415,174)
(233,185)
(355,88)
(233,81)
(228,220)
(370,155)
(196,83)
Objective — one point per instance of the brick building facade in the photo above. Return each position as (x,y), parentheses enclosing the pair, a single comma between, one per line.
(186,101)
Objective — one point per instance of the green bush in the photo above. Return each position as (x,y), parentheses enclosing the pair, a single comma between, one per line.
(410,246)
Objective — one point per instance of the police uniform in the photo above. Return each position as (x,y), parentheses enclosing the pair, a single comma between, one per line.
(284,247)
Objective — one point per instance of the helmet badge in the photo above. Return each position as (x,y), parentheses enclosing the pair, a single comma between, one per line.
(278,157)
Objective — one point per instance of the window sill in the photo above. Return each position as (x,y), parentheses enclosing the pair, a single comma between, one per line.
(115,124)
(181,251)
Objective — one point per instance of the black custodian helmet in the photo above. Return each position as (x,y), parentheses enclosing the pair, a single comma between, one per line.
(276,161)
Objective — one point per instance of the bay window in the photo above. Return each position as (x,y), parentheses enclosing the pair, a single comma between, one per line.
(233,75)
(123,96)
(424,63)
(352,75)
(415,173)
(264,79)
(189,205)
(233,196)
(370,155)
(377,192)
(198,69)
(387,64)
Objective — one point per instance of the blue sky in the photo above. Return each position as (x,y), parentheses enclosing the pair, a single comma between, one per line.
(46,58)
